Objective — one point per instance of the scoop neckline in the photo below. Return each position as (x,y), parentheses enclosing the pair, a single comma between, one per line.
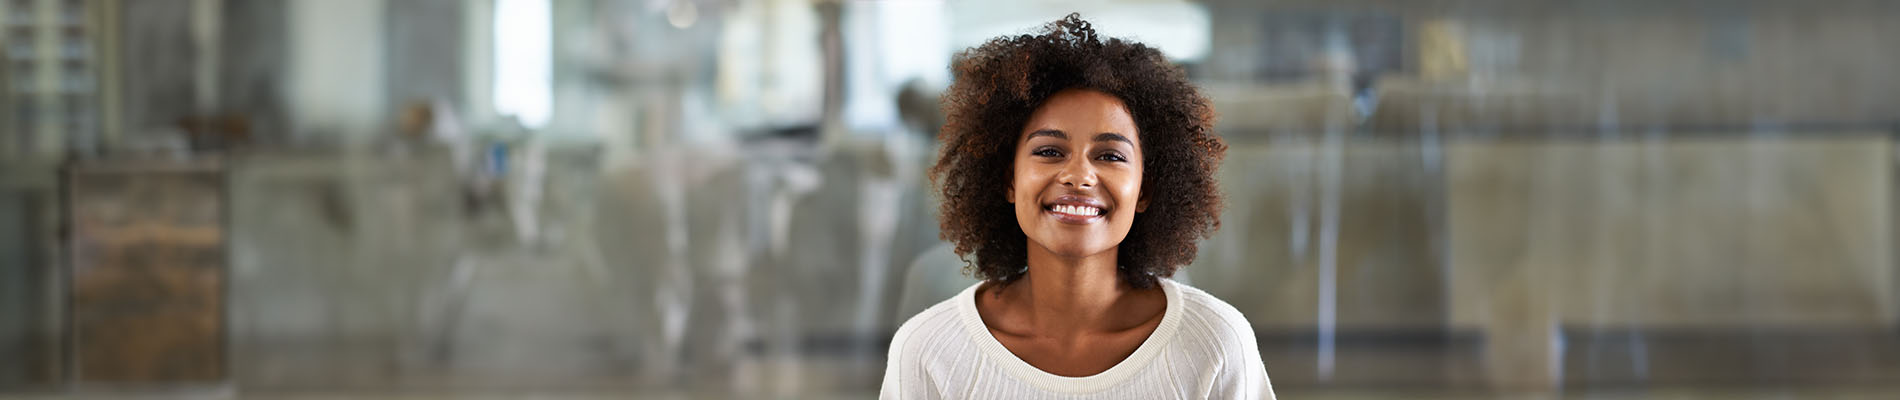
(1150,347)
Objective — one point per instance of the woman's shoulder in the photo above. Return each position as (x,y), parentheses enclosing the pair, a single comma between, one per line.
(939,316)
(930,340)
(1212,326)
(927,329)
(1209,318)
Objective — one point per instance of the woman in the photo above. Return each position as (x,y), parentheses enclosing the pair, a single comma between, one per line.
(1080,173)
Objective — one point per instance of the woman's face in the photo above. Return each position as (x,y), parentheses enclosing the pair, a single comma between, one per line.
(1077,176)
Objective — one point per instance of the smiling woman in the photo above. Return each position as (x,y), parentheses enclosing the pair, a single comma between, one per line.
(1079,173)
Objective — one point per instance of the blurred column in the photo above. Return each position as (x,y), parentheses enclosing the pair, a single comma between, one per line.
(831,42)
(424,53)
(32,299)
(336,69)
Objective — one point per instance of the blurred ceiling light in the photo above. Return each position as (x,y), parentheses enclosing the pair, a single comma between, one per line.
(682,14)
(524,60)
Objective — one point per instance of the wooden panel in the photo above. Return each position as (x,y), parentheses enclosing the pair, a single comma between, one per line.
(148,271)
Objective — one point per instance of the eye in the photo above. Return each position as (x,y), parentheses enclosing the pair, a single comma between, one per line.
(1115,157)
(1046,152)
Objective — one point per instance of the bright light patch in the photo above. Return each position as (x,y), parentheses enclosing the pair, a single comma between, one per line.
(524,60)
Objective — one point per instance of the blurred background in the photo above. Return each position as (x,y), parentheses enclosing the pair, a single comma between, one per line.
(726,198)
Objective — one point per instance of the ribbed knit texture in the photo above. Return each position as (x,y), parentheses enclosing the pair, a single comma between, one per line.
(1203,349)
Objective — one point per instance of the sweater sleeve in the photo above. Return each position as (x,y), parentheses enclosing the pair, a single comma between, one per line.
(903,371)
(893,386)
(1243,375)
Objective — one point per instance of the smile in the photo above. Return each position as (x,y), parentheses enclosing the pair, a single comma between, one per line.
(1076,210)
(1079,211)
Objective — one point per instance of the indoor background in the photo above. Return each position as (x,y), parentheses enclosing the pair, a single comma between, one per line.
(425,199)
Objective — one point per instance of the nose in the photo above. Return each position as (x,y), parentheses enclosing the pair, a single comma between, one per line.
(1078,173)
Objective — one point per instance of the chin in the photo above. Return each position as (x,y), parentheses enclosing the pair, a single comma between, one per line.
(1075,249)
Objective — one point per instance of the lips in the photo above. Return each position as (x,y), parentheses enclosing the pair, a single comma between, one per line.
(1076,209)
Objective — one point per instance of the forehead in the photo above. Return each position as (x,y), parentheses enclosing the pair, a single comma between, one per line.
(1082,112)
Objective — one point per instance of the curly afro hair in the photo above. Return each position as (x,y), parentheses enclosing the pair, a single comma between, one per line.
(999,84)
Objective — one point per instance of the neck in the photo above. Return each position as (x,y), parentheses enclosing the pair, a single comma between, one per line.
(1071,294)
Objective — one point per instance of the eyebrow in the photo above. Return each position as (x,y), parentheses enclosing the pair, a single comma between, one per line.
(1100,137)
(1048,132)
(1107,136)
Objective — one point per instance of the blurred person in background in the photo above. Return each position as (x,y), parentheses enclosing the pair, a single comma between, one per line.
(1079,172)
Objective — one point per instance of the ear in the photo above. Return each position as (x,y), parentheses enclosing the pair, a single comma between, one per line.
(1010,195)
(1141,203)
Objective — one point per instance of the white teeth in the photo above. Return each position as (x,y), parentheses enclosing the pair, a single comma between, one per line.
(1076,210)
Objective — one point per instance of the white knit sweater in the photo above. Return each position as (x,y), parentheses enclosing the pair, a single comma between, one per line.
(1203,349)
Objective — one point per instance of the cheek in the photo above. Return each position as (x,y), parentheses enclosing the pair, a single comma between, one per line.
(1025,184)
(1129,195)
(1019,188)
